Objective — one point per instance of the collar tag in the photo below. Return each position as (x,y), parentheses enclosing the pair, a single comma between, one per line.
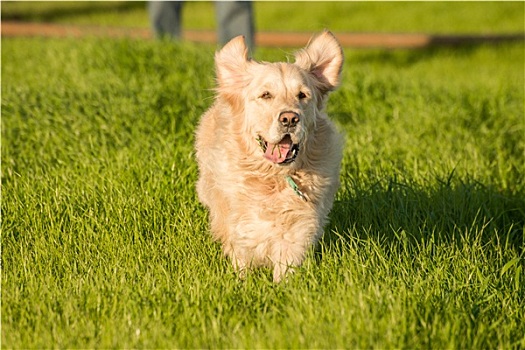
(295,188)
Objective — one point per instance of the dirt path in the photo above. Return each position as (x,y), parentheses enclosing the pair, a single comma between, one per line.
(269,39)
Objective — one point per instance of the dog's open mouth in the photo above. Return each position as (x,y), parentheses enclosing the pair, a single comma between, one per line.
(283,152)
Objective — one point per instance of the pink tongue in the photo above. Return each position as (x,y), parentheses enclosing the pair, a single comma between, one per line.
(277,152)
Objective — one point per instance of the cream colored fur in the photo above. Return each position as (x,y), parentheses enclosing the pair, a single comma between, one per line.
(254,212)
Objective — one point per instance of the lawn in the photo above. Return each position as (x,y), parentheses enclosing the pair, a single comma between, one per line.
(104,244)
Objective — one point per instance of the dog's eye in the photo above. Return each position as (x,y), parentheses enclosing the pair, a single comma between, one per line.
(301,95)
(266,95)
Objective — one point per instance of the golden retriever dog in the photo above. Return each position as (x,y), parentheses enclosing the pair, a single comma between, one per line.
(269,157)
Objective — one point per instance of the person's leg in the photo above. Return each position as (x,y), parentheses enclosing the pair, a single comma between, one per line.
(165,18)
(235,18)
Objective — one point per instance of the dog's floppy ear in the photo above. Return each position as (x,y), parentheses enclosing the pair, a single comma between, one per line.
(230,63)
(322,57)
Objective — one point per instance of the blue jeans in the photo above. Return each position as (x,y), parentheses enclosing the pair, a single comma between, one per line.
(233,18)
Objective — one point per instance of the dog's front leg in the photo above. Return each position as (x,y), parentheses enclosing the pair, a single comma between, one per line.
(239,265)
(281,270)
(286,256)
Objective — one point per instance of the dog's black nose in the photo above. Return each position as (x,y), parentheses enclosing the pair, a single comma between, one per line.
(289,119)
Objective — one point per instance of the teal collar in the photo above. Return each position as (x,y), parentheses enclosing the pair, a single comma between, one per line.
(295,188)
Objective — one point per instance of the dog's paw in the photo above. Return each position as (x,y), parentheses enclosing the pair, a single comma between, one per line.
(240,267)
(281,272)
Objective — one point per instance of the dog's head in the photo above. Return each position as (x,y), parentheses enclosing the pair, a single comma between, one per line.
(277,104)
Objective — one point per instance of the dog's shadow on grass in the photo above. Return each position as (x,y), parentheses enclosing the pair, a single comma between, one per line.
(445,212)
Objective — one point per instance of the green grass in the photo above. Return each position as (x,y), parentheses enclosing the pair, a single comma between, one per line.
(104,243)
(358,16)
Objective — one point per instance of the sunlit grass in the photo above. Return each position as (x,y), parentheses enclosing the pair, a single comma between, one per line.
(104,243)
